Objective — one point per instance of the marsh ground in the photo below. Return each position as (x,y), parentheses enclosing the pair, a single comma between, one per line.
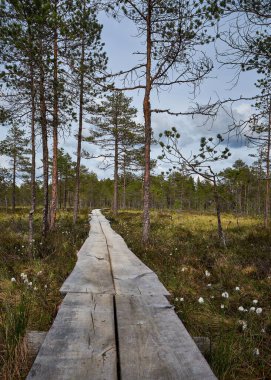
(185,253)
(30,281)
(233,284)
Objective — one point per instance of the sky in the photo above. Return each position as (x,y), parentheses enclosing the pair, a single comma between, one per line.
(120,43)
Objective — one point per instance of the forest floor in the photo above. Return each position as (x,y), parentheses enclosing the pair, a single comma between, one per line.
(30,282)
(223,294)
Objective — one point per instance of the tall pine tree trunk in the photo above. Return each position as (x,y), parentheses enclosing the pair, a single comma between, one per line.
(267,186)
(13,201)
(79,136)
(55,132)
(33,157)
(44,134)
(147,119)
(116,174)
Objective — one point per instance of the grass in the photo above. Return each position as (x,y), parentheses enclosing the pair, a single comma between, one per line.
(185,253)
(31,299)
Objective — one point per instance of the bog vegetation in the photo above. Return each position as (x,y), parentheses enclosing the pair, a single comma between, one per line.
(58,89)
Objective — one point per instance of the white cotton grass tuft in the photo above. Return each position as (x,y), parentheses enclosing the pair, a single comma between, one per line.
(23,276)
(209,285)
(255,302)
(201,300)
(241,308)
(222,306)
(256,352)
(225,295)
(252,309)
(207,273)
(243,324)
(259,310)
(237,288)
(13,279)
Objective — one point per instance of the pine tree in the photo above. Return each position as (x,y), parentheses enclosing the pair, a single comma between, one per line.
(85,58)
(172,32)
(15,146)
(115,130)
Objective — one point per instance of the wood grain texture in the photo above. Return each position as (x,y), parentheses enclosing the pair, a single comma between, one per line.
(131,275)
(81,342)
(154,344)
(92,272)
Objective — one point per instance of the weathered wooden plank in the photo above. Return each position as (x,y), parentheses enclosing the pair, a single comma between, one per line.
(154,344)
(131,275)
(92,272)
(81,342)
(34,340)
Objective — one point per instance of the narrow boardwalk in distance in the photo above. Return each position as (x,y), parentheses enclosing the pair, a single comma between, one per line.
(115,321)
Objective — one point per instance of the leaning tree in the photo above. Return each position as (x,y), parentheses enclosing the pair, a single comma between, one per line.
(172,32)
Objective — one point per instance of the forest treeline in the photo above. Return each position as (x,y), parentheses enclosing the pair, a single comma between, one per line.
(241,189)
(55,75)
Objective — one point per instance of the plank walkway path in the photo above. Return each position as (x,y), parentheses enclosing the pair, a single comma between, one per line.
(115,321)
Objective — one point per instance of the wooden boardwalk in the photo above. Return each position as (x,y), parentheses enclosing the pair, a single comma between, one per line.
(115,321)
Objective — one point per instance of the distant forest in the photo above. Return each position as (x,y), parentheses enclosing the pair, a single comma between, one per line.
(241,188)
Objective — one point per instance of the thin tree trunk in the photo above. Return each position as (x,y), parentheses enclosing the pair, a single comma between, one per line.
(267,185)
(44,133)
(79,137)
(60,191)
(55,133)
(65,193)
(14,184)
(116,174)
(124,182)
(218,214)
(147,119)
(33,158)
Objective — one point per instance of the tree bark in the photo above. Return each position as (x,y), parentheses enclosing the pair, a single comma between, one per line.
(147,119)
(33,157)
(267,185)
(124,182)
(55,132)
(13,204)
(44,133)
(218,214)
(79,137)
(116,174)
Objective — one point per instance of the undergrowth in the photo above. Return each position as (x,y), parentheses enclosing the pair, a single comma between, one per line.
(30,281)
(220,293)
